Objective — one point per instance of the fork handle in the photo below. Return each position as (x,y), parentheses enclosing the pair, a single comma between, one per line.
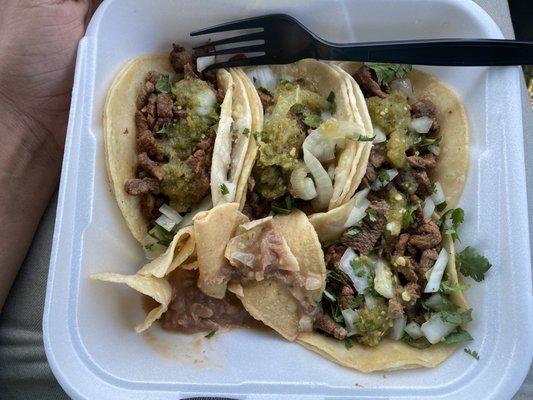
(451,52)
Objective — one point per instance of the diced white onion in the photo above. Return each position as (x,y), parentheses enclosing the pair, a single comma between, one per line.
(331,171)
(322,147)
(436,272)
(379,136)
(434,149)
(350,317)
(165,222)
(435,328)
(383,280)
(402,85)
(171,213)
(230,195)
(204,205)
(359,282)
(152,248)
(438,196)
(378,184)
(358,212)
(264,77)
(324,186)
(302,186)
(370,301)
(204,62)
(413,330)
(429,208)
(206,101)
(421,124)
(398,327)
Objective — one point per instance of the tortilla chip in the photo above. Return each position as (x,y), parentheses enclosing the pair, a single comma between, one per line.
(157,288)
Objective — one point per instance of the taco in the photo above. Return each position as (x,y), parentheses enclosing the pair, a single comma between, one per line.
(176,143)
(313,140)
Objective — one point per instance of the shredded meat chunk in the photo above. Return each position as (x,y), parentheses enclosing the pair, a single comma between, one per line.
(189,72)
(346,296)
(426,108)
(365,240)
(146,90)
(429,256)
(146,143)
(366,78)
(164,105)
(395,309)
(266,99)
(401,244)
(179,113)
(140,122)
(151,167)
(179,58)
(423,162)
(424,188)
(325,323)
(137,186)
(378,156)
(427,237)
(147,206)
(200,163)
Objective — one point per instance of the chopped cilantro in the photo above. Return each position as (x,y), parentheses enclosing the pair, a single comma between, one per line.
(356,301)
(264,90)
(364,138)
(352,231)
(370,291)
(421,343)
(211,334)
(284,206)
(358,267)
(336,313)
(448,287)
(246,132)
(331,101)
(408,219)
(386,73)
(426,142)
(149,246)
(284,81)
(372,215)
(473,353)
(458,336)
(457,318)
(258,135)
(224,189)
(450,221)
(333,276)
(441,207)
(163,236)
(167,130)
(471,263)
(163,84)
(439,302)
(348,343)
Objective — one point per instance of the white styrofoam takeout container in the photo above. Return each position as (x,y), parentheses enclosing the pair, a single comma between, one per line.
(88,326)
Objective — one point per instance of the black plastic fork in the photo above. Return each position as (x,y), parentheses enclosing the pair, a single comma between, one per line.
(286,40)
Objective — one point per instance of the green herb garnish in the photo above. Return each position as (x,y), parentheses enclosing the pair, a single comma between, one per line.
(386,73)
(356,301)
(258,135)
(163,84)
(372,215)
(456,318)
(224,189)
(284,206)
(473,353)
(421,343)
(167,130)
(471,263)
(352,231)
(441,207)
(408,219)
(448,287)
(211,334)
(364,138)
(246,132)
(348,343)
(458,336)
(331,101)
(358,267)
(450,221)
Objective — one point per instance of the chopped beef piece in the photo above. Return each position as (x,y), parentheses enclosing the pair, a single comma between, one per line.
(179,113)
(147,206)
(220,95)
(256,206)
(395,308)
(429,256)
(346,296)
(424,188)
(150,110)
(179,58)
(333,256)
(408,269)
(425,108)
(152,77)
(413,292)
(325,323)
(378,156)
(427,237)
(146,143)
(423,162)
(366,78)
(365,240)
(266,99)
(151,167)
(210,77)
(415,313)
(189,72)
(146,90)
(136,186)
(200,163)
(164,105)
(140,122)
(401,244)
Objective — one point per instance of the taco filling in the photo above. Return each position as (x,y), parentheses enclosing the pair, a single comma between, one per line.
(176,121)
(387,274)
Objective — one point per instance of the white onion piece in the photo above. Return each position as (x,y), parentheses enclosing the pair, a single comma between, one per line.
(324,186)
(231,189)
(421,124)
(379,136)
(370,301)
(264,77)
(330,296)
(204,205)
(322,147)
(429,208)
(402,85)
(438,196)
(152,248)
(436,272)
(302,186)
(378,184)
(165,222)
(350,317)
(398,327)
(435,328)
(204,62)
(359,282)
(383,280)
(434,149)
(331,171)
(358,212)
(171,213)
(413,330)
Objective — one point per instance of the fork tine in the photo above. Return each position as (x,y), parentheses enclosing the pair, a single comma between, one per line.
(235,50)
(243,62)
(247,23)
(235,39)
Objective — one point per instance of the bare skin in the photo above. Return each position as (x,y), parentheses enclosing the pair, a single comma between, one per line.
(38,44)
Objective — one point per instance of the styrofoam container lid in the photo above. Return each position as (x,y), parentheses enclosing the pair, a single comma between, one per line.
(88,326)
